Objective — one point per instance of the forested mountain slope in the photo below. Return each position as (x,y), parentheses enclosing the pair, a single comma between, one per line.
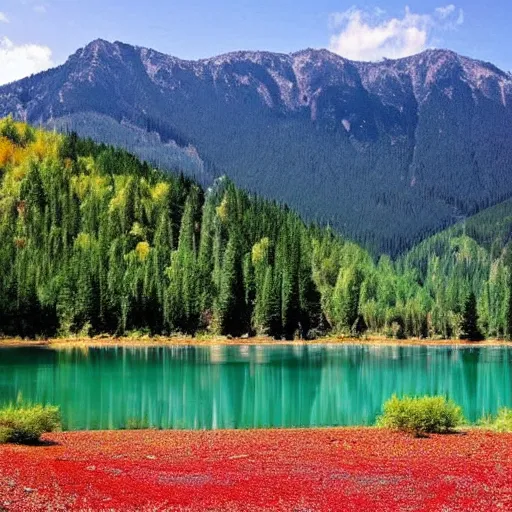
(96,241)
(386,152)
(474,254)
(491,229)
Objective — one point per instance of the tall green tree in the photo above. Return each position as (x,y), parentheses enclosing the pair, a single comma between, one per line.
(232,307)
(469,329)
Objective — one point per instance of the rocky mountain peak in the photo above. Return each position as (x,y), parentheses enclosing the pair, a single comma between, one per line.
(96,50)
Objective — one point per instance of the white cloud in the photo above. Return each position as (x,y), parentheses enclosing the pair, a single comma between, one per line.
(460,18)
(445,11)
(451,16)
(369,35)
(19,61)
(41,9)
(3,18)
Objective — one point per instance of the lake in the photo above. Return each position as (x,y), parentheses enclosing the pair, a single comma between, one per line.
(210,387)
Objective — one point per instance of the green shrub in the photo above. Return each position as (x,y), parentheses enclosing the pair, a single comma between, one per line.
(502,422)
(137,424)
(26,423)
(421,415)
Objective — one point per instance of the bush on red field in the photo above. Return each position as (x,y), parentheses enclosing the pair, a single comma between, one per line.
(421,415)
(25,423)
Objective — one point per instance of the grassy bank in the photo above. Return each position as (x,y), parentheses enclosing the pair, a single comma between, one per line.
(105,341)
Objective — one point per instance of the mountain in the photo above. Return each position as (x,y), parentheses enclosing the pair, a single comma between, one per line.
(387,153)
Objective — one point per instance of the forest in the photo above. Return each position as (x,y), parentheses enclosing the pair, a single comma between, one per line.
(96,241)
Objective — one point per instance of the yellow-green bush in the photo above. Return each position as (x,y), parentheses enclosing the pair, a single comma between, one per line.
(421,415)
(26,423)
(502,422)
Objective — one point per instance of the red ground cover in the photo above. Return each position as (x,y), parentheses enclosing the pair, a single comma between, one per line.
(295,470)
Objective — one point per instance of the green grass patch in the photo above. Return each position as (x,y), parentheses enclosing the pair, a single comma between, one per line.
(502,422)
(24,423)
(421,415)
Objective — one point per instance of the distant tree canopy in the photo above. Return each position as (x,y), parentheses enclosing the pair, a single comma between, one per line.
(95,241)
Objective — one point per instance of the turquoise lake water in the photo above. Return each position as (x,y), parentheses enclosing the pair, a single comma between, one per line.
(211,387)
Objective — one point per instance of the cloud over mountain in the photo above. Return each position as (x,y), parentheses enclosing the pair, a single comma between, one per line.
(18,61)
(371,35)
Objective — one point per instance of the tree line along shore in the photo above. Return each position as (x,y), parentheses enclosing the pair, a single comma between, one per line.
(96,241)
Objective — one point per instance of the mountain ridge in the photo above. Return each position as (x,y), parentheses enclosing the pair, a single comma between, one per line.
(479,68)
(386,152)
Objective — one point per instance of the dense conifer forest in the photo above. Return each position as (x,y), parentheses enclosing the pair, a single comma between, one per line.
(95,241)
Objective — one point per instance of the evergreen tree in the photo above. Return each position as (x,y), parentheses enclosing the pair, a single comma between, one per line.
(346,297)
(182,298)
(231,303)
(469,329)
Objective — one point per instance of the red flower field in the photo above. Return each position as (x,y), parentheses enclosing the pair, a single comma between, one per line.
(295,470)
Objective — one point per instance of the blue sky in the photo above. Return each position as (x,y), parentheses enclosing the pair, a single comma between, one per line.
(36,34)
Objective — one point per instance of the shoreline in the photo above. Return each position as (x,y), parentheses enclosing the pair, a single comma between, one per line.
(164,341)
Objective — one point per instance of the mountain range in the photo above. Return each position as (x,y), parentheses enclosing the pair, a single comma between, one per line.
(387,152)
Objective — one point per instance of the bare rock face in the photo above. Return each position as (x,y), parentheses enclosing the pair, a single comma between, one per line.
(387,152)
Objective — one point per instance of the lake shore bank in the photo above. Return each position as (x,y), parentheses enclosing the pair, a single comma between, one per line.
(162,341)
(291,469)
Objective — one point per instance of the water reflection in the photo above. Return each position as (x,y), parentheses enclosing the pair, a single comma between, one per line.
(250,386)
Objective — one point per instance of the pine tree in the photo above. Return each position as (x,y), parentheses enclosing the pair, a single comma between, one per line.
(206,262)
(250,291)
(469,329)
(289,261)
(231,301)
(346,297)
(182,311)
(310,298)
(272,299)
(260,263)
